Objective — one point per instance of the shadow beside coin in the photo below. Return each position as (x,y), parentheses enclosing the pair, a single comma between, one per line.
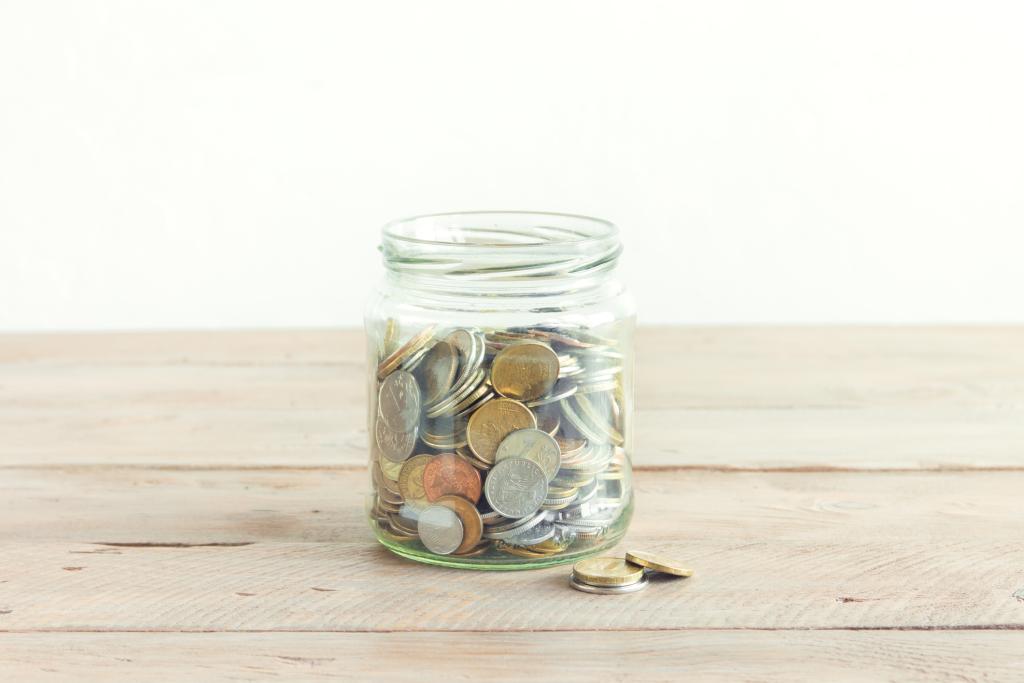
(662,578)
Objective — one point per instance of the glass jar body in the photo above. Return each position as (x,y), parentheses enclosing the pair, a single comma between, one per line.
(500,407)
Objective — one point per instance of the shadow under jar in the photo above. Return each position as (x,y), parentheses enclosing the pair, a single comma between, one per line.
(501,390)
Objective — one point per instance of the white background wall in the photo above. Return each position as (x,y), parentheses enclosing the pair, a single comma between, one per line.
(228,164)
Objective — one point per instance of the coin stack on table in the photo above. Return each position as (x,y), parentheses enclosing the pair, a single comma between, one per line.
(615,575)
(505,446)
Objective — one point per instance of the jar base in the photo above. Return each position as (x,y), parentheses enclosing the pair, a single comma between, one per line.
(498,564)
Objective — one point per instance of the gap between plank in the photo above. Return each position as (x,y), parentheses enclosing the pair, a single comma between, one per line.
(923,627)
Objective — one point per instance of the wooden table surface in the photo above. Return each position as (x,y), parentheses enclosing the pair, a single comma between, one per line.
(190,506)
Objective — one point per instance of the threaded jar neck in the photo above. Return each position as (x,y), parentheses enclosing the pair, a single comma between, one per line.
(495,253)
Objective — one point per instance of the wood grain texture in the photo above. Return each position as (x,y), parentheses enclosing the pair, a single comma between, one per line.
(961,657)
(193,550)
(720,398)
(189,505)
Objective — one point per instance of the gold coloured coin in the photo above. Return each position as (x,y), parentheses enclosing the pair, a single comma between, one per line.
(418,341)
(524,371)
(607,571)
(492,422)
(657,563)
(410,479)
(575,582)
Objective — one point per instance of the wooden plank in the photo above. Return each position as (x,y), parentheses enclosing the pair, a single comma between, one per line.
(188,348)
(308,434)
(136,549)
(963,656)
(911,437)
(831,367)
(727,397)
(184,416)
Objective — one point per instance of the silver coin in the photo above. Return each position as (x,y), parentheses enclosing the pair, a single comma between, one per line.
(532,444)
(591,434)
(564,388)
(597,410)
(558,500)
(516,487)
(609,590)
(480,395)
(471,353)
(586,492)
(587,387)
(457,395)
(463,340)
(491,517)
(412,361)
(574,512)
(555,505)
(590,523)
(440,529)
(537,534)
(515,528)
(470,348)
(394,445)
(446,441)
(399,401)
(409,513)
(571,533)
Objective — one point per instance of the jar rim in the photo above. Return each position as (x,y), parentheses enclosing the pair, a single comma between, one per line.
(575,230)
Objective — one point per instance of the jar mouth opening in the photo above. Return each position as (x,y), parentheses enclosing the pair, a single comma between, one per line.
(473,230)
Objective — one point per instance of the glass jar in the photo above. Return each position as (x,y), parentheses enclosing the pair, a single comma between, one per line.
(501,390)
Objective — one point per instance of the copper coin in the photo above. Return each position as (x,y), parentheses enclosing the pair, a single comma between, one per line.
(492,422)
(524,371)
(447,474)
(472,525)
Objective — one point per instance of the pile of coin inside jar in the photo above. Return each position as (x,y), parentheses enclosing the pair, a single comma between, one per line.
(498,443)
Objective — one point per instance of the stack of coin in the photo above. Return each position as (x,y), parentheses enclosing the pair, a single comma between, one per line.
(499,443)
(613,575)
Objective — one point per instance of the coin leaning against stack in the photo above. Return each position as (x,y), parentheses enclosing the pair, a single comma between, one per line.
(499,443)
(615,575)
